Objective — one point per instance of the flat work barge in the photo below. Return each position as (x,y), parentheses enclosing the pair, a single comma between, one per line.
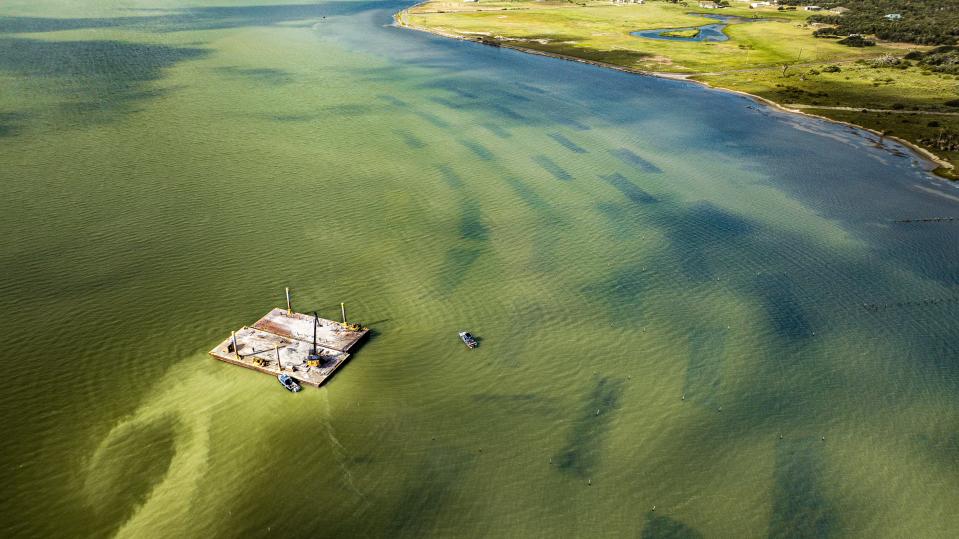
(283,341)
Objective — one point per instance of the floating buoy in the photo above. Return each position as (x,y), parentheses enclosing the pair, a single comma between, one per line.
(684,396)
(589,481)
(654,508)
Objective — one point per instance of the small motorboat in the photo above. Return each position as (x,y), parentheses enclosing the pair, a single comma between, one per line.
(288,382)
(468,339)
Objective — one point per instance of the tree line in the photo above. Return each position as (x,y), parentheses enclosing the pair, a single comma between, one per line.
(923,22)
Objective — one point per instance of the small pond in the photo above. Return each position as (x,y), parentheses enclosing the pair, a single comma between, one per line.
(708,32)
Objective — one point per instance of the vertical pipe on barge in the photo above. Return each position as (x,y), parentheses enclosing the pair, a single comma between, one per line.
(279,365)
(236,349)
(343,312)
(289,304)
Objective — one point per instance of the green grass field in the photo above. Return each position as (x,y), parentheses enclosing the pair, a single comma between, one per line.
(681,33)
(753,60)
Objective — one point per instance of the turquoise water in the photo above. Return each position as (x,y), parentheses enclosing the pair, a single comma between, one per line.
(685,300)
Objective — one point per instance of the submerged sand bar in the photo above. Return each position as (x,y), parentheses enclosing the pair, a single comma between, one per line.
(291,334)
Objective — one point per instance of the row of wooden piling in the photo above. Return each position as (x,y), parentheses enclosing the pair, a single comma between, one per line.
(875,307)
(928,220)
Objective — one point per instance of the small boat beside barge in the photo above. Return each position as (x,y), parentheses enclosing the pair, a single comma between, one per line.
(289,383)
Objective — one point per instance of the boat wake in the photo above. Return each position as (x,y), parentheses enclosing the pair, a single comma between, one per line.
(337,449)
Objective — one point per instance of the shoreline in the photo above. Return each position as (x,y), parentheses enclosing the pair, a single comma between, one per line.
(938,166)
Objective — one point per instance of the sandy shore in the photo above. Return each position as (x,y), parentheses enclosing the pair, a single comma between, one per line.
(936,164)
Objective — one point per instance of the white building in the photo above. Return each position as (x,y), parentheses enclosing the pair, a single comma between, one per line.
(893,17)
(755,5)
(812,8)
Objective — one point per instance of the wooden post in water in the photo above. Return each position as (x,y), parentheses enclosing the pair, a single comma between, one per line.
(278,364)
(343,312)
(289,304)
(236,349)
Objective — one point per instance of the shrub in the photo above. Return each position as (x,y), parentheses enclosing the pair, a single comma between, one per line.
(831,69)
(856,41)
(941,59)
(886,60)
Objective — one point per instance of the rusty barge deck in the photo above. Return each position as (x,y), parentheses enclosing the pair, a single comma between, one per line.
(281,341)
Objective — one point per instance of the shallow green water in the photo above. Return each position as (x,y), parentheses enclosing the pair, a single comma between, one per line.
(665,280)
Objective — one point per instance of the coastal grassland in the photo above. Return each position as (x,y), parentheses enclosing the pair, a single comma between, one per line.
(601,28)
(778,59)
(850,84)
